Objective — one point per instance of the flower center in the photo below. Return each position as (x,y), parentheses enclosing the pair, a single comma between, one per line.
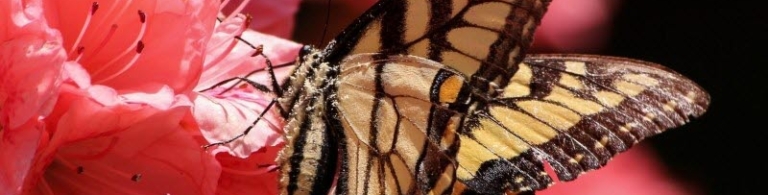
(117,62)
(136,53)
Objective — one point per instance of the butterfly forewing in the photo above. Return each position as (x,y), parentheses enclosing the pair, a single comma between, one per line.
(574,112)
(483,39)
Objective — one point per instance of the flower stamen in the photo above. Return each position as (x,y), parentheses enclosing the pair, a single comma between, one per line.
(94,7)
(45,188)
(223,4)
(79,53)
(106,39)
(238,9)
(138,49)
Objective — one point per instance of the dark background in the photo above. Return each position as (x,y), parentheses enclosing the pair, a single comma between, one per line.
(718,44)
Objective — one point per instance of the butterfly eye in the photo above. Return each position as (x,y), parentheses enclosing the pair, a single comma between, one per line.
(306,49)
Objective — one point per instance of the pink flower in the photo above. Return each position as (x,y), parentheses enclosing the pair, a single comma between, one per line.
(31,66)
(126,75)
(100,149)
(127,118)
(119,44)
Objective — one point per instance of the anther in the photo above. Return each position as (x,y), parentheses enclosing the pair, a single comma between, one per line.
(238,9)
(139,47)
(248,19)
(142,17)
(136,177)
(79,53)
(103,43)
(94,7)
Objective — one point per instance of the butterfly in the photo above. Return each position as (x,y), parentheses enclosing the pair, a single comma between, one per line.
(440,97)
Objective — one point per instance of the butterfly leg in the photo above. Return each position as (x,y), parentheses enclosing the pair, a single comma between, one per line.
(269,106)
(255,85)
(259,51)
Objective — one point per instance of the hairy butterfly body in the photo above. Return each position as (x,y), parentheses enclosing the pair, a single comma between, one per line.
(438,97)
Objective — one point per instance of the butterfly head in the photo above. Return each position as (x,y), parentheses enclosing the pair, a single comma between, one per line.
(309,54)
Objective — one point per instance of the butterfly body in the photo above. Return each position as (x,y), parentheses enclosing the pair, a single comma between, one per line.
(438,97)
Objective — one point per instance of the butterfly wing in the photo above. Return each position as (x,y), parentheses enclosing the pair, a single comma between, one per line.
(483,39)
(398,132)
(574,111)
(402,112)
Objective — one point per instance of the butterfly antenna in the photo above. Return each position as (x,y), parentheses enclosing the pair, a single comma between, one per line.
(327,18)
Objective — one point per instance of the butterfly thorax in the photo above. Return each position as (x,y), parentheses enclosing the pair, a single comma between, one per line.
(304,99)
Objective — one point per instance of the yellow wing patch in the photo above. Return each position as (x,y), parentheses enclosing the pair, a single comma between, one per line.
(519,84)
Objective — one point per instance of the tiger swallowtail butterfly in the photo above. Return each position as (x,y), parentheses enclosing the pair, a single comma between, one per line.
(439,97)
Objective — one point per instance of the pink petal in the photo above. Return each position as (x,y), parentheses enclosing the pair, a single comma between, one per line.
(31,59)
(169,160)
(237,61)
(222,116)
(77,74)
(159,96)
(100,110)
(129,134)
(270,16)
(240,177)
(17,151)
(225,116)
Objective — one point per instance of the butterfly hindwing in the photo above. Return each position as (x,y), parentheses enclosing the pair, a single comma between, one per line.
(574,111)
(399,133)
